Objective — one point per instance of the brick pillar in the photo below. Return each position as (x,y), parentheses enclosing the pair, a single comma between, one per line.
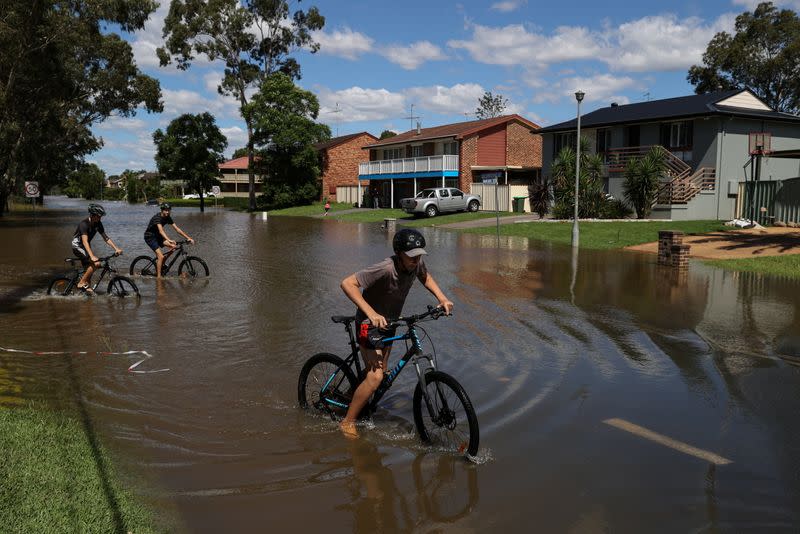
(671,251)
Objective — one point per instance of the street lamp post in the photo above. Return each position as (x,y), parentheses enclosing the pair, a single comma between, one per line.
(575,236)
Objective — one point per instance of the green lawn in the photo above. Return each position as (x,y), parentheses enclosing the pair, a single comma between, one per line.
(317,208)
(601,235)
(378,215)
(788,266)
(54,478)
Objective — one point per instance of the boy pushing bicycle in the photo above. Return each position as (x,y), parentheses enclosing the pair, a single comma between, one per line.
(379,291)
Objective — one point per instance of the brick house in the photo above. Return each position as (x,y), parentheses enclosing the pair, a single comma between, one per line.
(503,150)
(339,158)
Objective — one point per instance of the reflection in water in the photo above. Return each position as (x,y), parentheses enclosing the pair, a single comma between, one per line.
(547,345)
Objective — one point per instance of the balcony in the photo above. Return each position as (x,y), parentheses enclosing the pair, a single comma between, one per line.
(424,167)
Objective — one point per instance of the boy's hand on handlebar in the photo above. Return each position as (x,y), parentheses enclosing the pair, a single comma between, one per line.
(190,240)
(446,306)
(378,320)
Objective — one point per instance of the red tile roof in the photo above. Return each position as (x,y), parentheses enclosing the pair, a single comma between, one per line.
(238,163)
(458,130)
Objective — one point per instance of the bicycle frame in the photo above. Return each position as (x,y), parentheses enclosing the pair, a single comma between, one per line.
(104,269)
(171,257)
(414,354)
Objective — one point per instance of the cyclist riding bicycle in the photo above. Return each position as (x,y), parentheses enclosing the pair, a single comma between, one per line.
(86,230)
(385,287)
(156,237)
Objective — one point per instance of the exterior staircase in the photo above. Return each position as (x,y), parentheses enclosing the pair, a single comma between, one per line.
(680,184)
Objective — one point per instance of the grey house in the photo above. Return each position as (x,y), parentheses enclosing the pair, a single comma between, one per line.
(707,140)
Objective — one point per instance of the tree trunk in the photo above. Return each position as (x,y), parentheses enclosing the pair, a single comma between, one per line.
(3,201)
(251,177)
(202,202)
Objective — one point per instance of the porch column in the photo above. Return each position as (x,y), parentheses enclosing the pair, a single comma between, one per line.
(359,192)
(443,180)
(509,205)
(391,184)
(415,187)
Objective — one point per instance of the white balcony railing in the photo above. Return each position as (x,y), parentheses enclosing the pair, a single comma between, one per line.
(423,164)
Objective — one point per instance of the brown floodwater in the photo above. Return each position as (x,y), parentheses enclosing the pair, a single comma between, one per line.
(549,348)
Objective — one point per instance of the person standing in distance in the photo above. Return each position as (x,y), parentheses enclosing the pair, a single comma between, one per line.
(86,230)
(379,292)
(156,237)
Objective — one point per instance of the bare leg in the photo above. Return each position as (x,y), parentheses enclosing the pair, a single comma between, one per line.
(159,262)
(87,276)
(375,362)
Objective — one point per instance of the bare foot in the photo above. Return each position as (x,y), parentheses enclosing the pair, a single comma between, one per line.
(348,429)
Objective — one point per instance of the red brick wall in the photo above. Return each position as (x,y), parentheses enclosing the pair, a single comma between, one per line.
(492,146)
(468,158)
(523,148)
(342,164)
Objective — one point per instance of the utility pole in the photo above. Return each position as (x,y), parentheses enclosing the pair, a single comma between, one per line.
(412,117)
(336,119)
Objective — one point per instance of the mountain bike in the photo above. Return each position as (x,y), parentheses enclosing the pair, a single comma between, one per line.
(443,413)
(118,285)
(192,266)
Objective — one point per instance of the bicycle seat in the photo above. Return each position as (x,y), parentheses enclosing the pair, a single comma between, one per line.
(71,260)
(344,319)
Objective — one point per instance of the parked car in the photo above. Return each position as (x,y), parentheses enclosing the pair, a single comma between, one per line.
(436,200)
(191,196)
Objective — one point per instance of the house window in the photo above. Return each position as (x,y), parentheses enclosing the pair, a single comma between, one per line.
(632,135)
(562,140)
(603,140)
(416,151)
(677,137)
(451,148)
(393,153)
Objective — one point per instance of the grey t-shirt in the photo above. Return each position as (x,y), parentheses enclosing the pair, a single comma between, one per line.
(386,285)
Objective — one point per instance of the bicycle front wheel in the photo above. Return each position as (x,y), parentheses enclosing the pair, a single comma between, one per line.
(193,267)
(446,418)
(326,384)
(143,265)
(60,286)
(122,287)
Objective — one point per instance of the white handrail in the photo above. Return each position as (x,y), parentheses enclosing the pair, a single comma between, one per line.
(445,162)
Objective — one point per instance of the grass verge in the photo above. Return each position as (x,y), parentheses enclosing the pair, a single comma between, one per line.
(239,203)
(317,208)
(601,235)
(54,478)
(788,265)
(378,215)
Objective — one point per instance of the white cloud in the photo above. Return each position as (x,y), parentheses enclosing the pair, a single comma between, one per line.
(508,6)
(599,88)
(412,56)
(343,43)
(359,104)
(459,98)
(128,124)
(237,137)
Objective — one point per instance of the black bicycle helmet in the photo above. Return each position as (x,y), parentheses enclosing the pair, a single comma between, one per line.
(409,241)
(165,206)
(96,209)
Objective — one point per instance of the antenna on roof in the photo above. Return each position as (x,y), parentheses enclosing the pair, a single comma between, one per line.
(337,120)
(412,117)
(647,96)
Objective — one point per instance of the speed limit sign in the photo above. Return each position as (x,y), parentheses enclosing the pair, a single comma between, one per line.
(31,189)
(215,190)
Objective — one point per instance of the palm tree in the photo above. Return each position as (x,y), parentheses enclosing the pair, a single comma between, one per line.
(642,176)
(590,187)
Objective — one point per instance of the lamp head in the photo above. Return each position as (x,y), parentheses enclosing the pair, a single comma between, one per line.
(579,95)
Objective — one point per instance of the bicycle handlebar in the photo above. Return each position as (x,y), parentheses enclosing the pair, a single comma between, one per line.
(106,258)
(433,312)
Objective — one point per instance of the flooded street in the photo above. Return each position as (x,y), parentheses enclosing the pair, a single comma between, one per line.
(552,362)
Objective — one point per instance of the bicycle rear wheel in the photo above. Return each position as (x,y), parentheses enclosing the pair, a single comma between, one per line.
(122,287)
(60,286)
(449,421)
(193,267)
(144,265)
(326,384)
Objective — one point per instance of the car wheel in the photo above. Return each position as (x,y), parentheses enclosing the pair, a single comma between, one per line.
(473,205)
(431,211)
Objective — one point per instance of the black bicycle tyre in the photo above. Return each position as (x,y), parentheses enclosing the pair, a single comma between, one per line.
(146,266)
(189,265)
(429,430)
(60,286)
(315,374)
(122,287)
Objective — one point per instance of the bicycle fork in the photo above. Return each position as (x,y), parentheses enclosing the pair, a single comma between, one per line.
(443,416)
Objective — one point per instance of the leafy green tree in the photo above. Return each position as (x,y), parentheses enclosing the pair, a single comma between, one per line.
(61,71)
(223,30)
(762,56)
(540,196)
(590,184)
(490,106)
(86,182)
(642,176)
(240,153)
(283,122)
(191,150)
(387,134)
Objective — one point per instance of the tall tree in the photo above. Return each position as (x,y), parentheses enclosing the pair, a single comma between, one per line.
(386,134)
(490,106)
(283,118)
(60,73)
(86,182)
(762,56)
(253,38)
(590,184)
(191,150)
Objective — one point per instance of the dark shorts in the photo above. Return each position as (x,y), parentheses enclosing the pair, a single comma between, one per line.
(153,242)
(83,255)
(370,337)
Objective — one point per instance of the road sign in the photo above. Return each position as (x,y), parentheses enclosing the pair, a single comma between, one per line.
(216,190)
(31,189)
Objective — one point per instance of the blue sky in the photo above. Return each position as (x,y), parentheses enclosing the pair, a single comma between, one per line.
(377,58)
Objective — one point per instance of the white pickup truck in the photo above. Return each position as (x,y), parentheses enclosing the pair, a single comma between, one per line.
(436,200)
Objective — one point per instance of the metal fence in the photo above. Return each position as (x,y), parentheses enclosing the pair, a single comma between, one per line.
(769,201)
